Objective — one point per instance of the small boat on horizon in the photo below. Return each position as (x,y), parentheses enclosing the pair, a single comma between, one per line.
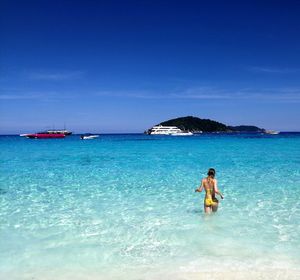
(60,131)
(44,135)
(273,132)
(50,133)
(88,136)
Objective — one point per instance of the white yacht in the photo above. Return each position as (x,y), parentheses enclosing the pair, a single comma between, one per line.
(168,130)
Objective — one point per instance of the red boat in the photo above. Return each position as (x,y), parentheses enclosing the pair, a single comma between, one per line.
(44,135)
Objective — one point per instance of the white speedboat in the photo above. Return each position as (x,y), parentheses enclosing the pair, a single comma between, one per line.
(88,136)
(273,132)
(168,130)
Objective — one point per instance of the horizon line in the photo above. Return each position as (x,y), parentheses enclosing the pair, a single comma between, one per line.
(124,133)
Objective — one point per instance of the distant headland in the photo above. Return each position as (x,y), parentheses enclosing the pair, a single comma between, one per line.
(194,124)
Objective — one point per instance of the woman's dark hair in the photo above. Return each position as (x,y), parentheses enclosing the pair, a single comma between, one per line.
(211,172)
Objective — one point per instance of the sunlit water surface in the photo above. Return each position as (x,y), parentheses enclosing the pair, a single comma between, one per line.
(124,207)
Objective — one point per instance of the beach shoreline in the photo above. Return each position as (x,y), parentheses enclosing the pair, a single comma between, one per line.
(254,274)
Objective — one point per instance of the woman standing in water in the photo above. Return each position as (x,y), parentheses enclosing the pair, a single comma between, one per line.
(209,184)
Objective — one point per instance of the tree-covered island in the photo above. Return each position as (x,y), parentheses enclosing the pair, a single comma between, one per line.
(194,124)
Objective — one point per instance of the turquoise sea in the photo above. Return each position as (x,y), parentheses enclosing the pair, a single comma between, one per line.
(124,207)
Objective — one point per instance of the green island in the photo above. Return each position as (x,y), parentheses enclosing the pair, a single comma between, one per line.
(194,124)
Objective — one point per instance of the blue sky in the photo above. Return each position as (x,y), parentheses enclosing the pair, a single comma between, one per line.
(123,66)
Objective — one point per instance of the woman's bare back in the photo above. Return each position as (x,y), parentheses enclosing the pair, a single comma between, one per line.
(209,184)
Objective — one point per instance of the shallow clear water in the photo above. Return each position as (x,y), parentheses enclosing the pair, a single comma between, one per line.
(125,205)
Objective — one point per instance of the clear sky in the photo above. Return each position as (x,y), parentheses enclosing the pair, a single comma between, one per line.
(124,66)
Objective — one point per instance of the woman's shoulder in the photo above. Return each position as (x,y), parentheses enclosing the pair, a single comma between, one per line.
(204,181)
(214,180)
